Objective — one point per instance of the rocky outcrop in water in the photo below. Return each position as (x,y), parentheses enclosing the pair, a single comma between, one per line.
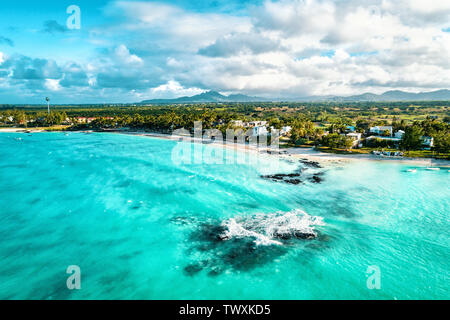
(293,178)
(293,181)
(311,164)
(192,269)
(242,244)
(316,178)
(288,178)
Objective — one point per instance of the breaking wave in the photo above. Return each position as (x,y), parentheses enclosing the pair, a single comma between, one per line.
(270,229)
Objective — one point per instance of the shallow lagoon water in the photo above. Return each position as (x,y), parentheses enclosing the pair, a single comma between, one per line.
(141,226)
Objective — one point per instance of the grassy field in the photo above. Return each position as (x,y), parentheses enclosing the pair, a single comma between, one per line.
(411,154)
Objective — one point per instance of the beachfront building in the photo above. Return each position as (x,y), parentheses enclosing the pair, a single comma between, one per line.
(427,142)
(257,124)
(379,130)
(355,136)
(237,123)
(285,130)
(399,134)
(259,130)
(395,141)
(84,119)
(67,121)
(383,138)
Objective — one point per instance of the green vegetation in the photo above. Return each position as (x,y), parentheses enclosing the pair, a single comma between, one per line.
(412,138)
(322,125)
(336,141)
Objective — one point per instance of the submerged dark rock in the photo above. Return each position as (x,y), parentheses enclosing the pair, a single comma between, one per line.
(294,235)
(243,244)
(293,181)
(210,233)
(215,271)
(316,179)
(287,178)
(304,235)
(225,253)
(311,164)
(192,269)
(292,178)
(243,254)
(281,176)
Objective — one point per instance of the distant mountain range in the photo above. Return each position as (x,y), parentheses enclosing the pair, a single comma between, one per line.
(209,96)
(394,95)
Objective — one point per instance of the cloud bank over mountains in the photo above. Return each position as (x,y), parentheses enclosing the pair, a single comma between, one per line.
(153,50)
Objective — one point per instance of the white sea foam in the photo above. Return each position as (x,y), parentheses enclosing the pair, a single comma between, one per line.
(235,229)
(268,228)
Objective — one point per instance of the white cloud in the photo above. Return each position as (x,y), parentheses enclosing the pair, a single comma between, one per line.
(419,9)
(296,17)
(286,48)
(173,89)
(124,55)
(172,25)
(52,84)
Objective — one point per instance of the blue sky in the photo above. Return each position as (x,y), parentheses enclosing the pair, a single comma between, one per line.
(128,51)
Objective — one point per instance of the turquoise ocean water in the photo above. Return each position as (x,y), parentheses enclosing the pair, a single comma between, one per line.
(141,226)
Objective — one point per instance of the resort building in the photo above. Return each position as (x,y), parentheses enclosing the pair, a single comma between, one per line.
(350,129)
(285,130)
(399,134)
(84,120)
(396,141)
(383,138)
(237,123)
(356,137)
(259,130)
(257,123)
(427,142)
(379,130)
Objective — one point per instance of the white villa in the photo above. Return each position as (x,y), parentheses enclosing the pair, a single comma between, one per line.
(383,138)
(252,124)
(238,123)
(399,134)
(259,130)
(356,137)
(378,130)
(257,123)
(427,142)
(285,130)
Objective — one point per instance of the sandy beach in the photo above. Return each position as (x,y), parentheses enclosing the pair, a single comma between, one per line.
(306,153)
(19,130)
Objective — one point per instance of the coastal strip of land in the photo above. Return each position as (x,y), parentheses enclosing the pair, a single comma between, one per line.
(306,153)
(290,153)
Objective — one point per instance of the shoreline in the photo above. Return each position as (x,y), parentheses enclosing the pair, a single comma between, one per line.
(291,153)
